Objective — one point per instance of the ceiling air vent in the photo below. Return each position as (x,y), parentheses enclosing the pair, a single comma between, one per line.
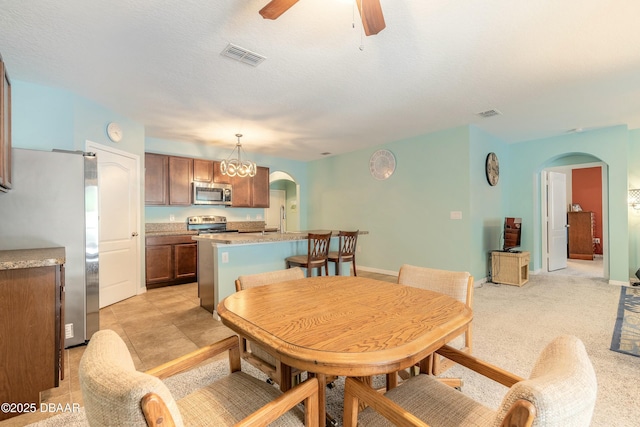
(488,113)
(243,55)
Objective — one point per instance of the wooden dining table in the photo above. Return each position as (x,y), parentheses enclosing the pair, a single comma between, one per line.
(344,326)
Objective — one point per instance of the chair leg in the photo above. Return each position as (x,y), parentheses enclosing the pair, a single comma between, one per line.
(338,268)
(355,273)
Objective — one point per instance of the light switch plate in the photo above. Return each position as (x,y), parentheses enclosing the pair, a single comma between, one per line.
(455,215)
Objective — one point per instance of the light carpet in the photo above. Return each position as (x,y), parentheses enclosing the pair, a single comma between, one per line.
(511,326)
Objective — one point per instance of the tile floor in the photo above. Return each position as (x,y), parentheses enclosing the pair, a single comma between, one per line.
(158,326)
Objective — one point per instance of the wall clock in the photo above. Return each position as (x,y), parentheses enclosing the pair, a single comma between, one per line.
(114,132)
(382,164)
(492,168)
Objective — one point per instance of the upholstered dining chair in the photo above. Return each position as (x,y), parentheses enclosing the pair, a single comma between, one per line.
(316,256)
(253,353)
(116,394)
(456,284)
(560,392)
(347,241)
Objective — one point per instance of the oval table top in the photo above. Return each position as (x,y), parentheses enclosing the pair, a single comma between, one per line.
(345,326)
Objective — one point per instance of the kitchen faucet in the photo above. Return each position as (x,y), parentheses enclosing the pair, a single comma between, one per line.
(283,216)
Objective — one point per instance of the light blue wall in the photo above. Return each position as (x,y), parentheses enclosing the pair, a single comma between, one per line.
(408,214)
(634,215)
(298,170)
(529,158)
(487,202)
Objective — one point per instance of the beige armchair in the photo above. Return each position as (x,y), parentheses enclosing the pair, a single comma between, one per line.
(115,394)
(456,284)
(560,392)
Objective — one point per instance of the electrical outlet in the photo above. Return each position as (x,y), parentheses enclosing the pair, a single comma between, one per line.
(225,257)
(172,218)
(359,249)
(596,240)
(68,330)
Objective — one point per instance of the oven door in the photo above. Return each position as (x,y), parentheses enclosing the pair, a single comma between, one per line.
(211,194)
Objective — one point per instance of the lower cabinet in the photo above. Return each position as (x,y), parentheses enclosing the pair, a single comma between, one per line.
(170,260)
(31,318)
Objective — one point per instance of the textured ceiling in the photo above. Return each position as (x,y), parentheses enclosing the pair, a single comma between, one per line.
(548,66)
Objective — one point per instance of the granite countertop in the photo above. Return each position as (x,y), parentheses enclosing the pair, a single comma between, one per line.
(253,238)
(31,258)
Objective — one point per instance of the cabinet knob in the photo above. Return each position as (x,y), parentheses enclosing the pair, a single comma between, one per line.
(134,234)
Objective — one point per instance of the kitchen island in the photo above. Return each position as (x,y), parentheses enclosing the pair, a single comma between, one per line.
(223,257)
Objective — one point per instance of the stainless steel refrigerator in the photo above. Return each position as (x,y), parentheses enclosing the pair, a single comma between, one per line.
(54,202)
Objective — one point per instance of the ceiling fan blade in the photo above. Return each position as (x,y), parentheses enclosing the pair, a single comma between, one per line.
(275,8)
(371,14)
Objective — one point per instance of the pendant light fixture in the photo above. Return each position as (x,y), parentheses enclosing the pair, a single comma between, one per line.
(236,166)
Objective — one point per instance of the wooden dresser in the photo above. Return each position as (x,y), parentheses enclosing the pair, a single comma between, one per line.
(581,230)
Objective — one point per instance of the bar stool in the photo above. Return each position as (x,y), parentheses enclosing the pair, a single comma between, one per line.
(317,254)
(346,250)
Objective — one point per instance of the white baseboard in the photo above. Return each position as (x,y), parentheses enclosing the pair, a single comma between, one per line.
(378,270)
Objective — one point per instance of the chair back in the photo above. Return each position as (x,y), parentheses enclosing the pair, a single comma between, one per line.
(347,243)
(261,279)
(318,247)
(562,386)
(112,389)
(456,284)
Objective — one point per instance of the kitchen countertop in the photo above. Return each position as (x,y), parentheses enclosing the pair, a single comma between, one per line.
(170,233)
(31,258)
(267,237)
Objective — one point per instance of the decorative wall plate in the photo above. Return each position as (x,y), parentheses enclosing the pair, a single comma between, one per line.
(382,164)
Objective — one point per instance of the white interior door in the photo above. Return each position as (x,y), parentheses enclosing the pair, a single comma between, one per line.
(557,221)
(277,199)
(118,183)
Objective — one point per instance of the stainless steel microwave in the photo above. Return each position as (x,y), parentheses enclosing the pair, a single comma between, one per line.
(212,194)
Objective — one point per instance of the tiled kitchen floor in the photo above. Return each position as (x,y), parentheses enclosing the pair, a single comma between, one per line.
(158,326)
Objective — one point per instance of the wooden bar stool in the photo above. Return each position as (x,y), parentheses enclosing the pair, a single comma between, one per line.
(346,250)
(316,257)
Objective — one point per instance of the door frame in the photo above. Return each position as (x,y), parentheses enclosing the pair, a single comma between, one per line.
(89,145)
(605,211)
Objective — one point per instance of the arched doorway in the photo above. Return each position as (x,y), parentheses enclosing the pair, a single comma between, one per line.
(567,164)
(284,197)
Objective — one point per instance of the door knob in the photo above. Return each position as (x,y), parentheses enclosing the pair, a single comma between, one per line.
(134,234)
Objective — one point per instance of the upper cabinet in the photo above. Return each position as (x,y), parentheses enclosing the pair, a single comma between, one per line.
(168,181)
(5,129)
(180,179)
(156,179)
(251,192)
(203,170)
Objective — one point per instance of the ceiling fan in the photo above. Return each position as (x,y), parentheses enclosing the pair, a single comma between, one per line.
(370,12)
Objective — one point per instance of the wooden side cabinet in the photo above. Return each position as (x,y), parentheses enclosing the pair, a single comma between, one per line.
(510,268)
(581,230)
(31,317)
(170,260)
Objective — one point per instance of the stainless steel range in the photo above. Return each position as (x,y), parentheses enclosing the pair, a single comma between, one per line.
(208,224)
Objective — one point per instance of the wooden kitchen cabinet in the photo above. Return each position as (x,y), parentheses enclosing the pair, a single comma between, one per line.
(251,192)
(180,179)
(218,177)
(167,180)
(31,326)
(156,178)
(581,233)
(170,260)
(203,170)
